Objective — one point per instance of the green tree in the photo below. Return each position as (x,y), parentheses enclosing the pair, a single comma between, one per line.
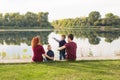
(6,19)
(109,15)
(17,19)
(94,16)
(1,19)
(111,20)
(84,21)
(31,19)
(43,19)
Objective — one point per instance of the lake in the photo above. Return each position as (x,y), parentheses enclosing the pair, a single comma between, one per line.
(15,44)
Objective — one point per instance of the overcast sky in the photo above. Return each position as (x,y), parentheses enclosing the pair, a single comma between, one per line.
(59,9)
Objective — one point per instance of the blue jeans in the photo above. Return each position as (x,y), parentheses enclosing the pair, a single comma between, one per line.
(62,56)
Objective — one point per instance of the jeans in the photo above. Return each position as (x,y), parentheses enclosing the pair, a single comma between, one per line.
(62,56)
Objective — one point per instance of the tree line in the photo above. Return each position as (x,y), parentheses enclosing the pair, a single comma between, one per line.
(28,19)
(93,19)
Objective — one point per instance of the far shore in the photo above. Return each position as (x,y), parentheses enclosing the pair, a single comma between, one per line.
(26,29)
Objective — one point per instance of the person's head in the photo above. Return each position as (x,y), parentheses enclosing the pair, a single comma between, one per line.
(63,37)
(70,37)
(49,47)
(35,41)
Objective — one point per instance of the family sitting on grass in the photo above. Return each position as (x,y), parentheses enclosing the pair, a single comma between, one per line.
(40,55)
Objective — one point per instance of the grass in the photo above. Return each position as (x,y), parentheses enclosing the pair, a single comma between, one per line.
(79,70)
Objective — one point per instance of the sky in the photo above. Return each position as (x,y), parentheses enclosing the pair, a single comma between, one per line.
(60,9)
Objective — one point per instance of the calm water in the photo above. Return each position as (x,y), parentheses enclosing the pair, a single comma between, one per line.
(92,43)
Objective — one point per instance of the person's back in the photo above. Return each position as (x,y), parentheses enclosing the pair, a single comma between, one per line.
(50,53)
(71,50)
(62,42)
(38,51)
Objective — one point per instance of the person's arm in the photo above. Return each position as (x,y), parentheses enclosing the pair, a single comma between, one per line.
(56,40)
(52,58)
(43,51)
(61,48)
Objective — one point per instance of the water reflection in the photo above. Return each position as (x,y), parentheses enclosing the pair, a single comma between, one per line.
(16,38)
(90,42)
(94,36)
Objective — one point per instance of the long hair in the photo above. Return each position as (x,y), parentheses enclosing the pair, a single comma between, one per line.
(35,41)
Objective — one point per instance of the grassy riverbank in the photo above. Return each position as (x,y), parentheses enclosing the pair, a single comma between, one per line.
(80,70)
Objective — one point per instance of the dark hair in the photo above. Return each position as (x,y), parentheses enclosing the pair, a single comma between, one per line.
(63,36)
(71,36)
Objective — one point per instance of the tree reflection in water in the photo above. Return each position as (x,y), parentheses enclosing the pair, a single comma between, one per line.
(94,36)
(16,38)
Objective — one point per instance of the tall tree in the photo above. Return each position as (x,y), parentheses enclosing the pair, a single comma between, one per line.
(1,19)
(111,19)
(6,19)
(43,19)
(94,16)
(109,15)
(31,19)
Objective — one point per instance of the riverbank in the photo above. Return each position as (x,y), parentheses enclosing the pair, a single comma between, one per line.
(56,59)
(12,30)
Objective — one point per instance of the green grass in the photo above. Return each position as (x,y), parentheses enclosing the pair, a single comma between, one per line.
(79,70)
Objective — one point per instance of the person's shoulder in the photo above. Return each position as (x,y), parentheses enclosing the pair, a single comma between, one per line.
(61,40)
(52,51)
(67,44)
(40,46)
(75,43)
(64,41)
